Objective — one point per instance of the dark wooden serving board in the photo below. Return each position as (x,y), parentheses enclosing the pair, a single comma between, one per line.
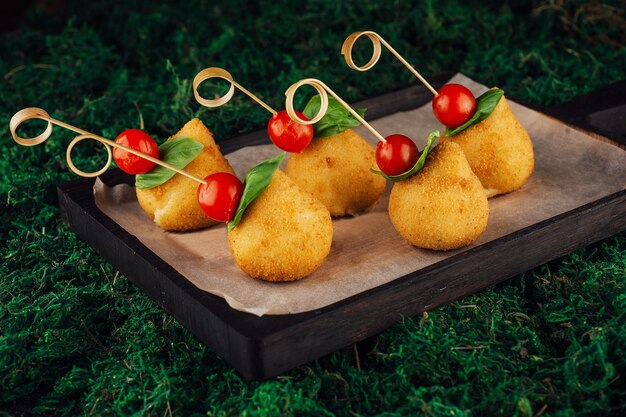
(262,347)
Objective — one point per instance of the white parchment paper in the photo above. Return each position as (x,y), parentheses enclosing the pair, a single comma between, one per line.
(571,169)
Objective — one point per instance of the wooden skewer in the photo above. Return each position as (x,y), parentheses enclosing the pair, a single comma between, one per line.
(322,89)
(348,44)
(213,72)
(37,113)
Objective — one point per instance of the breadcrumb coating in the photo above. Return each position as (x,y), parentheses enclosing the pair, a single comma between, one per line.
(499,151)
(443,206)
(284,235)
(336,170)
(173,205)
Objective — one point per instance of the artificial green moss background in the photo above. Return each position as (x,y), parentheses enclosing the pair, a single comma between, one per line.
(76,338)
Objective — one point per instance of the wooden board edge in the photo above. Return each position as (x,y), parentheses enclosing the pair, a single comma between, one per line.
(255,353)
(584,226)
(170,290)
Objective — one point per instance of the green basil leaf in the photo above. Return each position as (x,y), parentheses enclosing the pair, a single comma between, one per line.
(178,152)
(419,164)
(485,105)
(336,120)
(257,180)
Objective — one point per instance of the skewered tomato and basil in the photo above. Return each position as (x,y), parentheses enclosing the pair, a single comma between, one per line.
(455,107)
(223,197)
(394,156)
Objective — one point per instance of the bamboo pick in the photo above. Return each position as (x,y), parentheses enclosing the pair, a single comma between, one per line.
(214,72)
(37,113)
(322,89)
(348,44)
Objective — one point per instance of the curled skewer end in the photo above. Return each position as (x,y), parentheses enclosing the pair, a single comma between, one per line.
(70,163)
(291,92)
(209,73)
(215,72)
(377,41)
(28,114)
(348,44)
(323,91)
(37,113)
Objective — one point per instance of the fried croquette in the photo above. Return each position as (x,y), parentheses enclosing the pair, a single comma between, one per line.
(284,235)
(173,205)
(336,170)
(499,151)
(443,206)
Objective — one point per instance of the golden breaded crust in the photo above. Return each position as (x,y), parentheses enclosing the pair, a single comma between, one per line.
(499,151)
(174,205)
(284,235)
(443,206)
(336,170)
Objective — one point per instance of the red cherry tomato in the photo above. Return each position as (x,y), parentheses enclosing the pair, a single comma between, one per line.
(454,105)
(397,155)
(288,135)
(140,141)
(219,198)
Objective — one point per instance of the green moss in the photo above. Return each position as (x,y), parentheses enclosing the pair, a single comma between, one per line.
(77,338)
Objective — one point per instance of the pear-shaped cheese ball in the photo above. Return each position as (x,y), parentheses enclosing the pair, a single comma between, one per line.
(336,170)
(499,151)
(284,235)
(443,206)
(173,205)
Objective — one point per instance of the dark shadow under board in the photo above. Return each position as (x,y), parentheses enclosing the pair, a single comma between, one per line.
(262,347)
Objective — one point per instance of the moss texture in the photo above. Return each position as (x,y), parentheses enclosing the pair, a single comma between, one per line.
(77,338)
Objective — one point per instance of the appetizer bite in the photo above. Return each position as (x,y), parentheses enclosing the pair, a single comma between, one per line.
(285,234)
(173,205)
(335,166)
(496,145)
(442,206)
(436,202)
(276,231)
(336,170)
